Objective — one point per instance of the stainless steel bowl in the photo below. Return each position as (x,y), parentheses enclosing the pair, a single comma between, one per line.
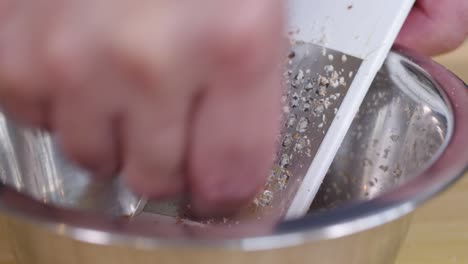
(406,145)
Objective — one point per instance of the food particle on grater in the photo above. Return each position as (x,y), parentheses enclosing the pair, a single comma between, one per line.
(282,181)
(291,120)
(329,68)
(303,124)
(344,58)
(323,81)
(300,75)
(264,199)
(287,141)
(322,91)
(319,107)
(300,145)
(334,79)
(342,81)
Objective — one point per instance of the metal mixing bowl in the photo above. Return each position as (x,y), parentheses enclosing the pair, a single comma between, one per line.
(406,145)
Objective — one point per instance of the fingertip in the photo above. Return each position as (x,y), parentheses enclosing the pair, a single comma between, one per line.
(225,177)
(233,146)
(154,148)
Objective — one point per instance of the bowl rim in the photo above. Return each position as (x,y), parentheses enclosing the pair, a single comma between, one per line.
(450,165)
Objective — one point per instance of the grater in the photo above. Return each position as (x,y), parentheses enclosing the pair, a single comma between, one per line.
(361,29)
(337,48)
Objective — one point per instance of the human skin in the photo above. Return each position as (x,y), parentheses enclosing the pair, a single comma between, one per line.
(435,26)
(182,98)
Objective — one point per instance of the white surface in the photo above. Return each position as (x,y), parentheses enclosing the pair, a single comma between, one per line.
(362,28)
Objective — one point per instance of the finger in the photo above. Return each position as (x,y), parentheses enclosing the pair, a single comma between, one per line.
(87,131)
(232,144)
(157,61)
(235,123)
(88,107)
(156,140)
(7,9)
(23,92)
(434,27)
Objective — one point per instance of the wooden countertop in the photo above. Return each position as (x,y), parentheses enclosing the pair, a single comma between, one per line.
(439,230)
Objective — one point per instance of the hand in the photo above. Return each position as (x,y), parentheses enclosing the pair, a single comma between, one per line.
(435,26)
(179,97)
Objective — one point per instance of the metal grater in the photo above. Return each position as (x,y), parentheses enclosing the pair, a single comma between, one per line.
(347,38)
(315,80)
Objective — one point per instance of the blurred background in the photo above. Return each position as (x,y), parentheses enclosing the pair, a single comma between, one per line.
(457,61)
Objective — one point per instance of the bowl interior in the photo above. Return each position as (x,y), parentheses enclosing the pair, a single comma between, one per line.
(401,125)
